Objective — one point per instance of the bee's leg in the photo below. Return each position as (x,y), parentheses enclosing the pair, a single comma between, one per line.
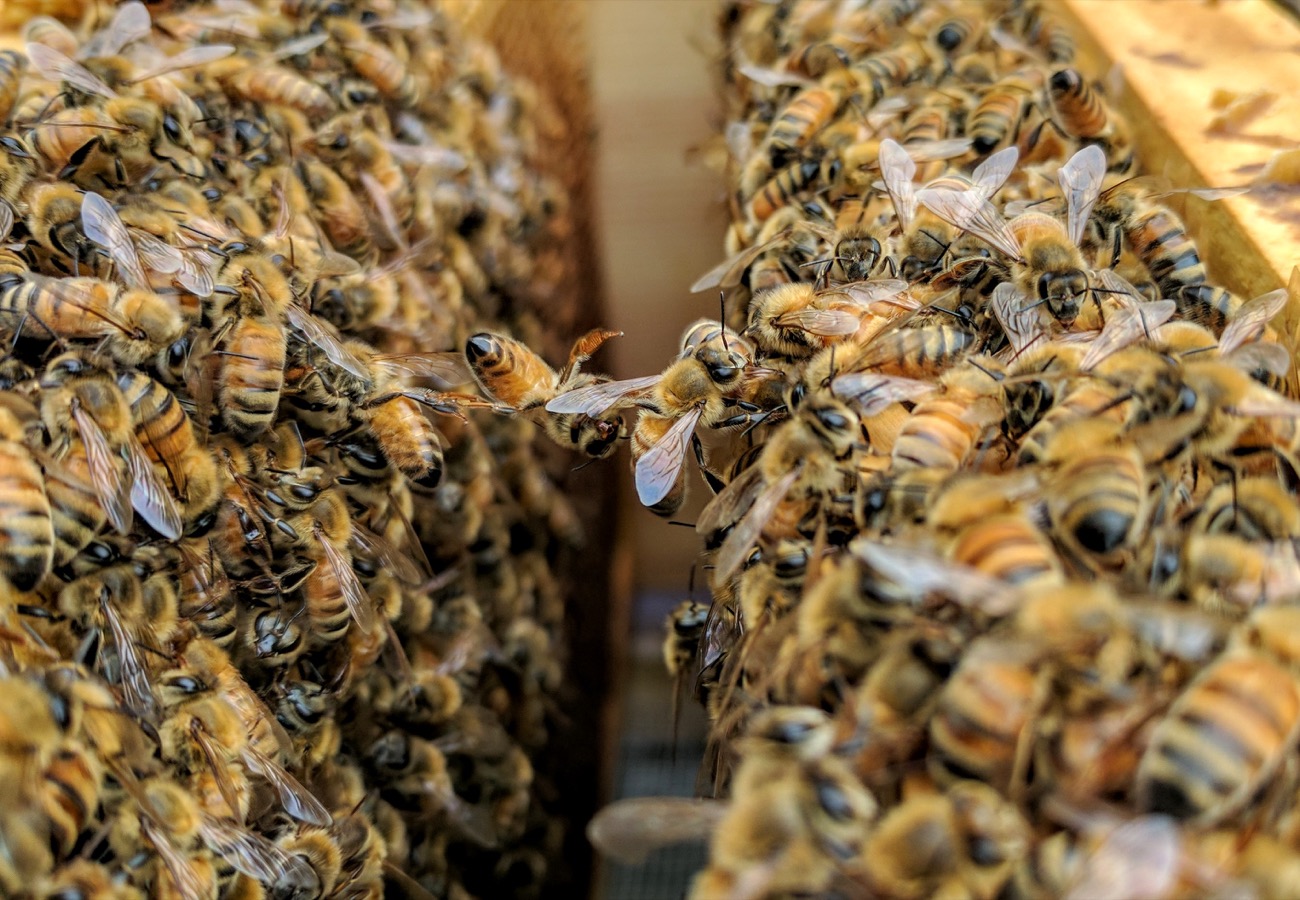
(715,484)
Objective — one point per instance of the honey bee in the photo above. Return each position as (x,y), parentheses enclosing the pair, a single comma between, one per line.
(782,189)
(1099,503)
(318,861)
(17,165)
(170,818)
(1125,213)
(82,400)
(272,85)
(133,325)
(804,461)
(1048,263)
(83,878)
(206,733)
(205,596)
(510,373)
(1217,309)
(28,525)
(12,66)
(1172,778)
(955,34)
(138,132)
(924,348)
(1009,547)
(794,798)
(376,63)
(303,707)
(71,782)
(984,717)
(54,220)
(418,771)
(698,388)
(154,245)
(1257,509)
(76,512)
(104,601)
(1083,113)
(1043,31)
(805,114)
(1218,411)
(333,596)
(165,432)
(275,637)
(796,321)
(944,429)
(966,839)
(208,665)
(339,212)
(252,374)
(997,117)
(871,78)
(926,239)
(685,626)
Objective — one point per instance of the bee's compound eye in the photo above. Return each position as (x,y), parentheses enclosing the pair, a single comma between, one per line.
(1044,285)
(948,38)
(178,351)
(834,421)
(797,393)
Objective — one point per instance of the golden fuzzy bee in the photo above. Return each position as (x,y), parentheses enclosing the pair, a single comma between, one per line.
(512,374)
(28,524)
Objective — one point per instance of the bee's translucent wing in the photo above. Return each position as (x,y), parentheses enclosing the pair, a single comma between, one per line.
(994,171)
(1125,327)
(657,470)
(1251,318)
(872,392)
(897,168)
(597,398)
(52,65)
(1081,177)
(129,24)
(971,211)
(1019,320)
(742,538)
(102,225)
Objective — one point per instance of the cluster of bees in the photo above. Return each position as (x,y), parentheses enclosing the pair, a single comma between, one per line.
(281,612)
(1004,581)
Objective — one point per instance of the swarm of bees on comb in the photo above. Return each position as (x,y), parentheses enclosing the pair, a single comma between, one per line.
(284,604)
(1005,593)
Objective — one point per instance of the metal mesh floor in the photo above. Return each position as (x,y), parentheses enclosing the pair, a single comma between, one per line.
(646,764)
(646,769)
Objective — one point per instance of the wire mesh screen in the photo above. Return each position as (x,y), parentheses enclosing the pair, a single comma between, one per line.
(647,769)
